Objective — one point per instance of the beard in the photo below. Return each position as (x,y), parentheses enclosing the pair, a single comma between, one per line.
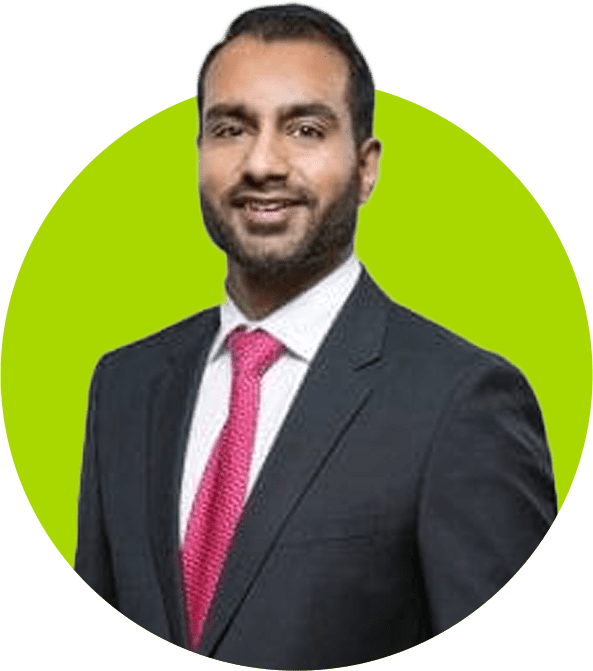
(325,240)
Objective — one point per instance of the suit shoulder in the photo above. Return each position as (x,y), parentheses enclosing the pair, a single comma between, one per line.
(439,369)
(432,345)
(411,344)
(163,344)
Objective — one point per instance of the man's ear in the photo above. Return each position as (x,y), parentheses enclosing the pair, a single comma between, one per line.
(368,167)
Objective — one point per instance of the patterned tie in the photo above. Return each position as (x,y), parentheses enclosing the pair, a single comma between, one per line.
(219,501)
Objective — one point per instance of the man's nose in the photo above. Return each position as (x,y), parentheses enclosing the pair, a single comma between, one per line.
(266,159)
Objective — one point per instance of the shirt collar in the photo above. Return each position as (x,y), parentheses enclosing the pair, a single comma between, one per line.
(301,324)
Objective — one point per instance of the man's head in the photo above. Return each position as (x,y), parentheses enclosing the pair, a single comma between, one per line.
(298,22)
(286,149)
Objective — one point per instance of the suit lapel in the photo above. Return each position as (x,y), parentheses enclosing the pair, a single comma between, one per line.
(172,401)
(335,389)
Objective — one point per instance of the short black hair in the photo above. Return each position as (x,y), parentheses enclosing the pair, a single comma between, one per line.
(281,22)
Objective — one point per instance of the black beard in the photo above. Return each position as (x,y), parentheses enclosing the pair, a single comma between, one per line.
(324,242)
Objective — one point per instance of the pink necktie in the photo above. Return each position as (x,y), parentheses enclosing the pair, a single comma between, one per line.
(219,501)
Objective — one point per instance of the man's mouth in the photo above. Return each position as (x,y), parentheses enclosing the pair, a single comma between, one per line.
(268,202)
(268,211)
(267,205)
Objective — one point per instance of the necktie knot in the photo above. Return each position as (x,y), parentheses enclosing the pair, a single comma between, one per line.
(253,352)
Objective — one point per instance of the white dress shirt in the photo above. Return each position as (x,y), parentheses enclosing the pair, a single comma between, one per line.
(301,325)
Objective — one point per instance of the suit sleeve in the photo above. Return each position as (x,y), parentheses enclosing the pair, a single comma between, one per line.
(488,497)
(92,561)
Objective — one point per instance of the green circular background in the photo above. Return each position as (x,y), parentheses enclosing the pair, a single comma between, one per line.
(450,232)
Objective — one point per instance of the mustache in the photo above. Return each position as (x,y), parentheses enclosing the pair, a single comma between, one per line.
(241,193)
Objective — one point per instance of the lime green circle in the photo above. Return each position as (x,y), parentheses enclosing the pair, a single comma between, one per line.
(449,232)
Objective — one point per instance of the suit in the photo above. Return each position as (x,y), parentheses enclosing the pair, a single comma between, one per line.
(410,481)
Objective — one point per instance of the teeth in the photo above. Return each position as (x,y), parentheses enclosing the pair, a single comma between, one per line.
(266,206)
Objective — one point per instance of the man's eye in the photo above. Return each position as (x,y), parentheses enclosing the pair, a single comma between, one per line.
(306,130)
(228,130)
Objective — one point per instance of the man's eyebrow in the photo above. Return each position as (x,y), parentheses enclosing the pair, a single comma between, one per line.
(234,111)
(308,109)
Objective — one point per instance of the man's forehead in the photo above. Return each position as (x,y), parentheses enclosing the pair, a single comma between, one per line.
(278,72)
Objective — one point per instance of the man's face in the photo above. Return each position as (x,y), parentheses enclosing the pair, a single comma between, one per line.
(279,177)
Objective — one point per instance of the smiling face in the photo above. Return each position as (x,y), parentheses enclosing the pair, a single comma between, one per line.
(280,176)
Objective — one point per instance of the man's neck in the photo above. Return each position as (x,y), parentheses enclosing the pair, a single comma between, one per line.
(257,295)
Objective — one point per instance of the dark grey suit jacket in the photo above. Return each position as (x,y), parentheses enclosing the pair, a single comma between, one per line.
(411,480)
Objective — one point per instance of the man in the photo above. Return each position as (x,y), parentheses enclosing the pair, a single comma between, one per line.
(310,476)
